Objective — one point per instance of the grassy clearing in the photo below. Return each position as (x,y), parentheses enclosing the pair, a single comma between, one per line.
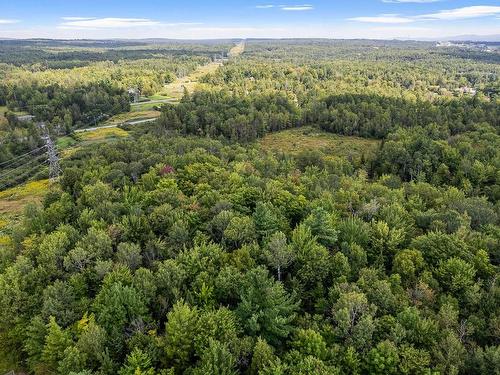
(190,82)
(13,201)
(158,97)
(145,107)
(65,142)
(297,140)
(68,152)
(3,109)
(175,90)
(103,134)
(131,116)
(3,223)
(237,49)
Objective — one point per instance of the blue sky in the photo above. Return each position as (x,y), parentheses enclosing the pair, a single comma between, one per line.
(202,19)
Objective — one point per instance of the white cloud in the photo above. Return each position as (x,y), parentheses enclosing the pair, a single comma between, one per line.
(290,8)
(7,22)
(175,24)
(77,18)
(399,29)
(211,31)
(463,13)
(443,15)
(297,8)
(410,1)
(225,29)
(110,22)
(383,18)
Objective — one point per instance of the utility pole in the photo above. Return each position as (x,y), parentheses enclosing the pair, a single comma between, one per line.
(53,157)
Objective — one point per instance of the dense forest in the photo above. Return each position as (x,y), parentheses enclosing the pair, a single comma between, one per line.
(58,54)
(188,247)
(73,84)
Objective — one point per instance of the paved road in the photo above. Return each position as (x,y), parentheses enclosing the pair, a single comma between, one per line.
(136,122)
(159,101)
(140,121)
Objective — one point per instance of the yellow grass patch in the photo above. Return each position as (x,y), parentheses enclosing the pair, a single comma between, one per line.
(68,152)
(5,241)
(306,138)
(190,82)
(102,134)
(237,49)
(13,201)
(131,116)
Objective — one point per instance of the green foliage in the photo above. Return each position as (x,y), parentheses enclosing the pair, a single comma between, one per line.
(56,343)
(239,230)
(265,308)
(217,360)
(267,220)
(353,318)
(456,276)
(322,226)
(383,359)
(310,342)
(137,363)
(116,307)
(278,253)
(180,331)
(177,250)
(263,357)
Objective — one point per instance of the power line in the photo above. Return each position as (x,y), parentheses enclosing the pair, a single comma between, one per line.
(53,157)
(11,161)
(27,107)
(20,166)
(30,171)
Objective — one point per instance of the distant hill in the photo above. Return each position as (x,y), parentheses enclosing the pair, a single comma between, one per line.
(495,38)
(477,38)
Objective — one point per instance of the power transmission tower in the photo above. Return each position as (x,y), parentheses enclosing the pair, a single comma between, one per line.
(53,157)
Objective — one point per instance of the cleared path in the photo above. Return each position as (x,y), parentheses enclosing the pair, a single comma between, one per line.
(136,122)
(176,89)
(158,101)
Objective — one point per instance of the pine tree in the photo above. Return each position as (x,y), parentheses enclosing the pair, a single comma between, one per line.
(180,331)
(137,363)
(216,360)
(56,342)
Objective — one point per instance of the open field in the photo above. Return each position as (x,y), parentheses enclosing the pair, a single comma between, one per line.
(65,142)
(147,106)
(190,82)
(13,201)
(157,97)
(103,134)
(237,49)
(307,138)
